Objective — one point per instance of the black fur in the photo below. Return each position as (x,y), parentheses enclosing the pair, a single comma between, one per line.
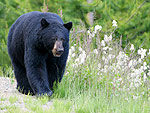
(30,44)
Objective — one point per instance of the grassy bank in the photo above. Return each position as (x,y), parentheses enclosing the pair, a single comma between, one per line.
(100,77)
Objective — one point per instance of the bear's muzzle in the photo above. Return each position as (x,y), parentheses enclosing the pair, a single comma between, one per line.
(58,49)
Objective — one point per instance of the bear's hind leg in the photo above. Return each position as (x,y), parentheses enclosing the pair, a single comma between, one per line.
(22,81)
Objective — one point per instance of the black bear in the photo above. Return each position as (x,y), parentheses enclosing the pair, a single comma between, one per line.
(38,45)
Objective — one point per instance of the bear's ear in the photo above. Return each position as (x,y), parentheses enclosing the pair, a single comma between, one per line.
(44,23)
(68,25)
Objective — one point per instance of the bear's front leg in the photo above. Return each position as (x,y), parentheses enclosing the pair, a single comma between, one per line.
(35,65)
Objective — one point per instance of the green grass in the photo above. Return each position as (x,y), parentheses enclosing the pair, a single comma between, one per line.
(3,99)
(100,100)
(13,99)
(69,97)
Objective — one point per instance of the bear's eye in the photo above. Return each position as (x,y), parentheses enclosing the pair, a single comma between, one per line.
(54,39)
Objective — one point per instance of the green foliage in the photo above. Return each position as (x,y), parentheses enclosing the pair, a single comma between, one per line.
(132,17)
(10,10)
(13,99)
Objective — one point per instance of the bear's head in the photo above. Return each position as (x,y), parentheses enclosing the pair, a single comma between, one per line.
(54,36)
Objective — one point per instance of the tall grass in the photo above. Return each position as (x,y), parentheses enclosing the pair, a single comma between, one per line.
(101,76)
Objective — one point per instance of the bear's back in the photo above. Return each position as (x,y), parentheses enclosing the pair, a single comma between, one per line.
(29,23)
(31,20)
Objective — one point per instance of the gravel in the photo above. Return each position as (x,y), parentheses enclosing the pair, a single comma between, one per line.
(8,89)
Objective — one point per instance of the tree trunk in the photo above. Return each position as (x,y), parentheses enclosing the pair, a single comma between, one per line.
(90,15)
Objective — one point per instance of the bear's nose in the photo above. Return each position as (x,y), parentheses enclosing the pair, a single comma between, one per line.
(60,50)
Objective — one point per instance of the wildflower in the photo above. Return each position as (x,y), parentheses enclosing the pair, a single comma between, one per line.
(77,60)
(140,60)
(120,79)
(148,52)
(143,93)
(130,63)
(99,65)
(72,49)
(110,49)
(132,47)
(144,65)
(110,37)
(95,51)
(105,48)
(148,74)
(107,39)
(110,56)
(91,35)
(88,32)
(73,55)
(80,49)
(82,57)
(126,99)
(135,97)
(114,23)
(97,28)
(144,77)
(103,43)
(142,52)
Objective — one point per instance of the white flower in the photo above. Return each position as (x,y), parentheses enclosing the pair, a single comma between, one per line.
(97,28)
(120,79)
(110,49)
(77,60)
(135,97)
(143,93)
(99,65)
(132,47)
(105,48)
(126,99)
(144,65)
(91,35)
(148,52)
(110,37)
(144,77)
(140,60)
(142,52)
(107,39)
(73,55)
(130,63)
(80,49)
(72,48)
(148,74)
(95,51)
(110,56)
(88,32)
(81,58)
(114,23)
(103,43)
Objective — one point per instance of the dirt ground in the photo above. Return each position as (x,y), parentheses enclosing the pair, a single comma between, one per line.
(7,90)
